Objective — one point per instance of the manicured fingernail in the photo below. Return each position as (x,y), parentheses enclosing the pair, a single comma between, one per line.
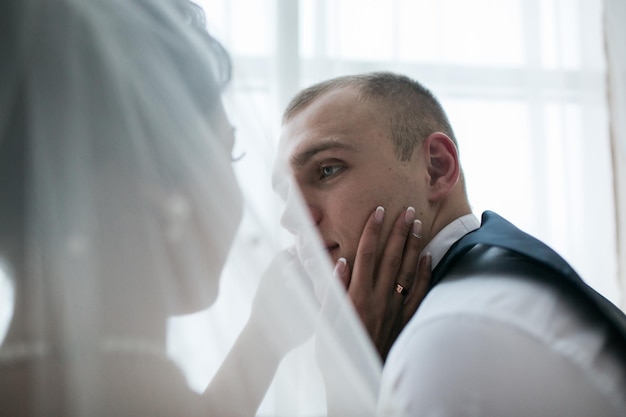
(340,266)
(417,228)
(409,215)
(379,214)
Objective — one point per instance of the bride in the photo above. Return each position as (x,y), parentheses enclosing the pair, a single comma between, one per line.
(119,209)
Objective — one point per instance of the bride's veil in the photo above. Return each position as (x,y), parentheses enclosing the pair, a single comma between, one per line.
(137,277)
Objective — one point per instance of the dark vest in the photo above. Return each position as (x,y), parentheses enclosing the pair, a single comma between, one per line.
(497,232)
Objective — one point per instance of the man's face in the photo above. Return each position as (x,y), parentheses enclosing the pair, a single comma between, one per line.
(343,160)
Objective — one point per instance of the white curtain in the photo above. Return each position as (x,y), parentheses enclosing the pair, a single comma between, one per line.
(615,33)
(524,83)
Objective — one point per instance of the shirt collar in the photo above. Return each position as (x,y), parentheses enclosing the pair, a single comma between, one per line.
(455,230)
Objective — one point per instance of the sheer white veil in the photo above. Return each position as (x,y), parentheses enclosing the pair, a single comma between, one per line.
(120,212)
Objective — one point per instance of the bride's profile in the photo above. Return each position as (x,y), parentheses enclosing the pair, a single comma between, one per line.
(119,208)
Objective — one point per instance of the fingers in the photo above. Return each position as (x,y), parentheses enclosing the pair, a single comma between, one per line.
(399,259)
(365,259)
(403,307)
(394,258)
(419,288)
(384,274)
(398,271)
(342,272)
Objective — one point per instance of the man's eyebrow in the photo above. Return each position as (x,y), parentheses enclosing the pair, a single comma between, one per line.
(302,158)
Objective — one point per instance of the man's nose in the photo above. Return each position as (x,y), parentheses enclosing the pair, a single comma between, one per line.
(294,214)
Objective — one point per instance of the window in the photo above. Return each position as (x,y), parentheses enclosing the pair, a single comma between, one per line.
(523,82)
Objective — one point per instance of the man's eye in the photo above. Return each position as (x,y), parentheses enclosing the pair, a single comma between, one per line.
(329,170)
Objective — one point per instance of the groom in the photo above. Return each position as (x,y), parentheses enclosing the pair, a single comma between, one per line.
(507,328)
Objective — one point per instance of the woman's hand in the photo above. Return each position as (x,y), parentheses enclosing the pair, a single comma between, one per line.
(279,307)
(387,289)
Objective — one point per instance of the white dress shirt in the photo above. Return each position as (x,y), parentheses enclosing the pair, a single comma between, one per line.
(499,344)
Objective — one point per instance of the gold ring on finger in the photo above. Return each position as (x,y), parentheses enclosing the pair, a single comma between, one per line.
(401,290)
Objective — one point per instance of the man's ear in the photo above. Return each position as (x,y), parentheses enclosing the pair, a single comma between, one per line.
(442,165)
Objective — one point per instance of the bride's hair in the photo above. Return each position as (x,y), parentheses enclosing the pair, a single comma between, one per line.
(203,85)
(121,213)
(195,16)
(12,184)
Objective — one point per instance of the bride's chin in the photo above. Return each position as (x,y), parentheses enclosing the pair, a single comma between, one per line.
(196,284)
(194,301)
